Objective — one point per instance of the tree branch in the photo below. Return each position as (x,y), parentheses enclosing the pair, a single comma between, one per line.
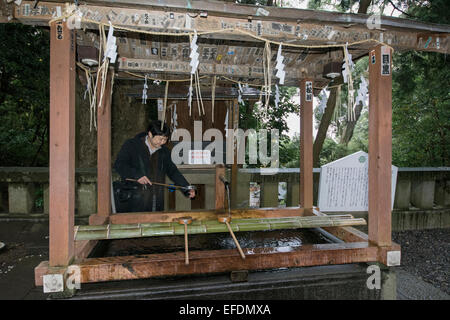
(400,10)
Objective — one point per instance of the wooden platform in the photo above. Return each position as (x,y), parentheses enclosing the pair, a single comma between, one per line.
(356,249)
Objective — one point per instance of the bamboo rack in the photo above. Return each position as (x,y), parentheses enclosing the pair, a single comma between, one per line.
(124,231)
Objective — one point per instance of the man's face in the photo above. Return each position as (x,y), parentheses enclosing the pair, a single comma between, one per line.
(156,141)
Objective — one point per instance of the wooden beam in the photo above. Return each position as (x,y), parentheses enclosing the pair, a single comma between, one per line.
(149,217)
(306,145)
(84,248)
(240,69)
(95,219)
(214,261)
(6,11)
(62,144)
(431,41)
(380,145)
(281,23)
(346,234)
(104,148)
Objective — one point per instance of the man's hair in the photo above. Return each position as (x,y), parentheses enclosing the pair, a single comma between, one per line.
(155,128)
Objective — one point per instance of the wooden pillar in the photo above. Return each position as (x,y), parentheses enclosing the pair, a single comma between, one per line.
(306,145)
(380,145)
(220,187)
(62,144)
(234,166)
(104,150)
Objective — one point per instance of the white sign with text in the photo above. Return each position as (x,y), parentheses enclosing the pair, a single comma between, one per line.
(199,156)
(344,184)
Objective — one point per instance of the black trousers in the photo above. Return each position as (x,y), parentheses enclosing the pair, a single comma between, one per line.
(137,198)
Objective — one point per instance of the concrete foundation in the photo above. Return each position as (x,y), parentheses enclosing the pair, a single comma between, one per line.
(422,194)
(242,194)
(293,195)
(442,193)
(269,195)
(86,199)
(342,282)
(21,197)
(46,196)
(413,219)
(2,202)
(402,194)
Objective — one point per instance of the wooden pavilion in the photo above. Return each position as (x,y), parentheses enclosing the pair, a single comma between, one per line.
(153,39)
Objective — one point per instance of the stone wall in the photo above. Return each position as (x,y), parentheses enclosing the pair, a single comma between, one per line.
(128,117)
(422,198)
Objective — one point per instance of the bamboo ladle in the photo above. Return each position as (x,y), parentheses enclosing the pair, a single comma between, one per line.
(226,220)
(167,185)
(185,221)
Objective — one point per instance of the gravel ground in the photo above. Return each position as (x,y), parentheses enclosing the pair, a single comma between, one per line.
(426,254)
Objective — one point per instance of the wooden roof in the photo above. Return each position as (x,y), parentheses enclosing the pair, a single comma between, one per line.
(234,54)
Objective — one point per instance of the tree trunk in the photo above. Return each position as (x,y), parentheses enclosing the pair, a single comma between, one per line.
(363,6)
(323,127)
(350,126)
(331,105)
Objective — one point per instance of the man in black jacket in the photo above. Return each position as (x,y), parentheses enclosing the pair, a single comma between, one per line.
(145,159)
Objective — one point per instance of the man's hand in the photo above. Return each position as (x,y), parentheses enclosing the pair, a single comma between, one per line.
(144,180)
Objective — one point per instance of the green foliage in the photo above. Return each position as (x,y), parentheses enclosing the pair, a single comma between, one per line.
(360,140)
(290,152)
(275,118)
(420,105)
(24,95)
(421,98)
(254,116)
(338,5)
(437,11)
(421,109)
(332,151)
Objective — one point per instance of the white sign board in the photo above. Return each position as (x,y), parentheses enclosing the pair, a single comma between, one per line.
(344,184)
(199,156)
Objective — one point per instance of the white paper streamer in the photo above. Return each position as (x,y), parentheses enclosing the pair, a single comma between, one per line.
(226,124)
(174,117)
(240,94)
(144,91)
(323,101)
(111,47)
(362,92)
(280,66)
(277,96)
(194,54)
(347,76)
(348,65)
(190,97)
